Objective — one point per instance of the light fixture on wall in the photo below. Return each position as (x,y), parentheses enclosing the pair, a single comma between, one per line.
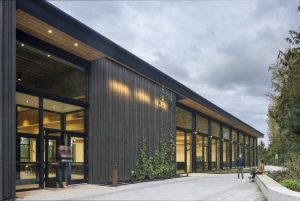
(22,45)
(19,77)
(76,44)
(49,31)
(48,55)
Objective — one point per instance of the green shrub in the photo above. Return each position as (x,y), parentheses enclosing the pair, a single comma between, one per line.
(279,175)
(291,184)
(293,167)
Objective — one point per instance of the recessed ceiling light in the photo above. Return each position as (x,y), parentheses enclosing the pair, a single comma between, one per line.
(76,44)
(48,55)
(50,31)
(27,101)
(22,45)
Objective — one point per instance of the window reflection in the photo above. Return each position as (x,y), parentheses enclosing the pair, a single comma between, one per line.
(226,133)
(180,151)
(215,154)
(202,124)
(183,118)
(35,69)
(27,120)
(51,120)
(215,129)
(75,121)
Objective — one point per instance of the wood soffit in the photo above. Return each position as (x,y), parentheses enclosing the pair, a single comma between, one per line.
(40,30)
(237,125)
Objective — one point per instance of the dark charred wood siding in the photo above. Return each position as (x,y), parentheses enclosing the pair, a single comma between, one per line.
(7,99)
(124,108)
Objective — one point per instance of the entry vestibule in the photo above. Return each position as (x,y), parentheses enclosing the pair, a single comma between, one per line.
(40,131)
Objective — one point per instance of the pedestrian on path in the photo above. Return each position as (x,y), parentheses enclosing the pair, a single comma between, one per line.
(240,163)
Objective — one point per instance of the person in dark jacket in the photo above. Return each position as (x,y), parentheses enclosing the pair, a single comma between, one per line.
(240,163)
(62,158)
(60,166)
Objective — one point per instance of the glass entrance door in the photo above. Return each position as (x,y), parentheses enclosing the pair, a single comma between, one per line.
(76,167)
(53,139)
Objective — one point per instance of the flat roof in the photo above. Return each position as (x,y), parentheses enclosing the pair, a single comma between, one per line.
(55,17)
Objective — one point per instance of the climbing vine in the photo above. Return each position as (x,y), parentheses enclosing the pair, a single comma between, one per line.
(159,164)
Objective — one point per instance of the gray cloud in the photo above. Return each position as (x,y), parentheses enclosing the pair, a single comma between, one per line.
(220,49)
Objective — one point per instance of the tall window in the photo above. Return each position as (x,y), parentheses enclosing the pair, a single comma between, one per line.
(215,154)
(225,155)
(201,124)
(38,69)
(241,138)
(226,133)
(199,153)
(183,118)
(215,129)
(234,135)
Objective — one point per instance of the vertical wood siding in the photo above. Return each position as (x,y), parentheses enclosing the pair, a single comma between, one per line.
(7,99)
(120,115)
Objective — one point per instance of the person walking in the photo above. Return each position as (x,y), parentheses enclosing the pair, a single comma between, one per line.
(240,163)
(63,157)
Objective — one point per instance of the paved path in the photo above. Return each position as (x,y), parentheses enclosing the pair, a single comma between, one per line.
(273,168)
(204,187)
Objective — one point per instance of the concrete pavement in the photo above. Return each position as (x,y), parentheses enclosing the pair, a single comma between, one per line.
(195,187)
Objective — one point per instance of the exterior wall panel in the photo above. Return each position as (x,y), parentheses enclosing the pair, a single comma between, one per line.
(7,99)
(123,109)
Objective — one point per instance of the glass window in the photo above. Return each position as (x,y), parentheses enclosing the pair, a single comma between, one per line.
(225,155)
(205,154)
(202,124)
(247,139)
(180,151)
(199,153)
(27,171)
(226,133)
(75,121)
(77,153)
(27,120)
(241,138)
(38,69)
(234,154)
(247,156)
(215,129)
(234,135)
(189,151)
(183,118)
(27,149)
(215,154)
(52,120)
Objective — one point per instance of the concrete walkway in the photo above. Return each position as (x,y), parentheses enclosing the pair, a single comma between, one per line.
(195,187)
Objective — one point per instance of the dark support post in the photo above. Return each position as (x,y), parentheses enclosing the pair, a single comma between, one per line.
(194,162)
(221,147)
(209,145)
(41,144)
(8,99)
(230,148)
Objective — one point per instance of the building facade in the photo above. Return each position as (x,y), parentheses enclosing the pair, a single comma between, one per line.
(62,83)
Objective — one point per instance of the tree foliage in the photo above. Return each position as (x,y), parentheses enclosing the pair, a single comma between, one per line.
(284,110)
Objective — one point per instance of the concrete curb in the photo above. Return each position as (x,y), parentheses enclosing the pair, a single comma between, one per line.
(273,191)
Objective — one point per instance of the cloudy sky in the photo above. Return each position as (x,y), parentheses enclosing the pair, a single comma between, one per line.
(219,48)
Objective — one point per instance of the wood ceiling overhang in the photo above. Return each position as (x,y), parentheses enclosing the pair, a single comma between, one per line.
(39,29)
(209,112)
